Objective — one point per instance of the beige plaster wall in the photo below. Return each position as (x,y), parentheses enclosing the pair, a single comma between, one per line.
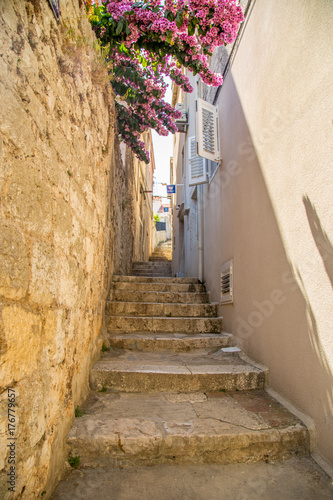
(269,206)
(66,224)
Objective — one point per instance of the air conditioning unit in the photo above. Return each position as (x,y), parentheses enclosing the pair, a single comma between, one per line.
(181,122)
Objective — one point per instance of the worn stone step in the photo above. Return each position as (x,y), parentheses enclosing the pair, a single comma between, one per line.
(147,429)
(163,309)
(170,297)
(159,287)
(152,272)
(150,264)
(142,279)
(168,324)
(152,269)
(153,275)
(162,253)
(177,342)
(161,258)
(182,372)
(166,253)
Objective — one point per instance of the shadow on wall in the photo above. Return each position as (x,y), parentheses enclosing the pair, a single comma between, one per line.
(321,239)
(271,317)
(317,348)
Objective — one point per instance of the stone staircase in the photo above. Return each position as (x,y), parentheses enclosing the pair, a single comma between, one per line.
(162,252)
(172,390)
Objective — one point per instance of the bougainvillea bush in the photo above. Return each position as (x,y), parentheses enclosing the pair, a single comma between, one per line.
(148,39)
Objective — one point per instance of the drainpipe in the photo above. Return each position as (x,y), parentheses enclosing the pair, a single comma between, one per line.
(200,232)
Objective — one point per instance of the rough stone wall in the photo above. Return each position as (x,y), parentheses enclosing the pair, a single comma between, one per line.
(143,206)
(65,227)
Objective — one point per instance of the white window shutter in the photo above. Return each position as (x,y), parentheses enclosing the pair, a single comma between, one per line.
(198,174)
(207,131)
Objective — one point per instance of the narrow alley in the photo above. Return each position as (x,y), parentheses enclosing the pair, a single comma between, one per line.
(172,389)
(166,250)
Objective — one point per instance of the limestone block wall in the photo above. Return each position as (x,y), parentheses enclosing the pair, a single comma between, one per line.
(143,206)
(65,227)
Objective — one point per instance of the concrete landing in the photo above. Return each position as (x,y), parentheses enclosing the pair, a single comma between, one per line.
(296,479)
(136,429)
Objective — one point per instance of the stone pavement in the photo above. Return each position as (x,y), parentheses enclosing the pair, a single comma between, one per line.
(295,479)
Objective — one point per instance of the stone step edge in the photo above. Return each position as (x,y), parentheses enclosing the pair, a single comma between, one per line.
(160,292)
(146,342)
(276,444)
(123,278)
(117,285)
(128,378)
(109,302)
(166,317)
(117,333)
(159,298)
(196,318)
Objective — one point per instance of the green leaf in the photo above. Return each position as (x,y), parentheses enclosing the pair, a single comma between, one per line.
(179,18)
(120,26)
(191,28)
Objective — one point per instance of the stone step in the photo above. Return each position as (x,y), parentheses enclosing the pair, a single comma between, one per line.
(177,342)
(170,297)
(182,372)
(147,309)
(161,270)
(131,324)
(146,429)
(142,279)
(152,264)
(160,259)
(159,287)
(152,271)
(152,275)
(161,253)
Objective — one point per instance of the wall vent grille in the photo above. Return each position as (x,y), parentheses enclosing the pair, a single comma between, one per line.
(227,282)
